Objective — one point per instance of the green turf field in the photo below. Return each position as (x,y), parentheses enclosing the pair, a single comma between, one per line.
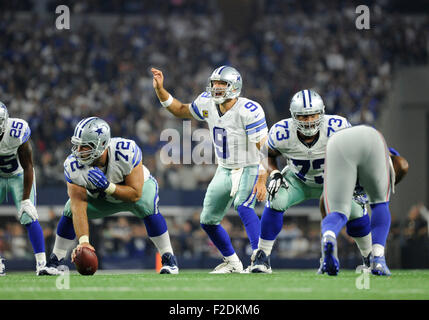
(199,284)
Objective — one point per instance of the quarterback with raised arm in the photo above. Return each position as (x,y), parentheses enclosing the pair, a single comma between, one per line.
(237,126)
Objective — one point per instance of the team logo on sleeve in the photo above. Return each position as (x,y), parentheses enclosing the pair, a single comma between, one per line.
(205,113)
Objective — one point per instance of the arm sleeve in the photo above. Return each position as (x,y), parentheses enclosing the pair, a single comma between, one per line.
(74,173)
(27,133)
(254,121)
(195,107)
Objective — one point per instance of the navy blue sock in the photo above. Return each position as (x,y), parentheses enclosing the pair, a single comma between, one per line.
(252,224)
(359,227)
(35,233)
(334,222)
(380,222)
(220,238)
(65,228)
(271,223)
(155,225)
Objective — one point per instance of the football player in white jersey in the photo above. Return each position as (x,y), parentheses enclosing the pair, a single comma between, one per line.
(105,176)
(302,140)
(17,177)
(237,126)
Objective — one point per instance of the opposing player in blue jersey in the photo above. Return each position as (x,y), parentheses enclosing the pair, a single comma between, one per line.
(105,176)
(302,140)
(17,177)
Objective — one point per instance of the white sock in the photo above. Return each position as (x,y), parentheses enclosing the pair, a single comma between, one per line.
(266,245)
(364,244)
(329,233)
(162,243)
(253,256)
(40,259)
(377,250)
(232,258)
(61,246)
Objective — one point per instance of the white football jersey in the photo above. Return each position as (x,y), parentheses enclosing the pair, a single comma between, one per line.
(235,133)
(17,133)
(123,156)
(307,163)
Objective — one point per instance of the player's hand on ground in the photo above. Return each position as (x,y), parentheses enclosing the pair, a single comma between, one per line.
(28,207)
(79,247)
(98,179)
(158,79)
(261,190)
(277,181)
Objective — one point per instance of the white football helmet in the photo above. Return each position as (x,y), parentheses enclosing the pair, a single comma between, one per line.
(4,116)
(234,84)
(307,102)
(90,132)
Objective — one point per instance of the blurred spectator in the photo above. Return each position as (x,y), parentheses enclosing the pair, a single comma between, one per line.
(138,242)
(415,252)
(393,244)
(50,230)
(291,241)
(19,244)
(116,235)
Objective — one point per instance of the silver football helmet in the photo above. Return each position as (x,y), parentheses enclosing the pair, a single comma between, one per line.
(93,133)
(307,102)
(234,84)
(4,116)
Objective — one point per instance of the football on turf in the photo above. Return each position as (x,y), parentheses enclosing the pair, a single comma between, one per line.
(86,261)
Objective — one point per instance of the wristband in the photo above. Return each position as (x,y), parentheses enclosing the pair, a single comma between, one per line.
(83,239)
(167,102)
(110,189)
(274,172)
(262,169)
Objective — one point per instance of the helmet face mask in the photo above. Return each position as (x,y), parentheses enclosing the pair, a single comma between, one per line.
(231,77)
(306,103)
(4,116)
(90,139)
(308,127)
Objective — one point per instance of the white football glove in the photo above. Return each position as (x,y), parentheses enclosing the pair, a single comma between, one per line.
(276,182)
(28,207)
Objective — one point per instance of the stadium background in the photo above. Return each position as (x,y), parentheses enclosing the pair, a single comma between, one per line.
(53,78)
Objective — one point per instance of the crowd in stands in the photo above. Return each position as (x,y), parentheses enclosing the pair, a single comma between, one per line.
(54,78)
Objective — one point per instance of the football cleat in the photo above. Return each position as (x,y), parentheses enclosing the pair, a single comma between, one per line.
(228,266)
(262,263)
(320,270)
(379,267)
(169,264)
(247,270)
(367,261)
(2,267)
(43,270)
(331,264)
(46,271)
(54,263)
(252,260)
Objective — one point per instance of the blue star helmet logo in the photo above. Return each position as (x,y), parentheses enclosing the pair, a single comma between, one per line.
(99,131)
(238,78)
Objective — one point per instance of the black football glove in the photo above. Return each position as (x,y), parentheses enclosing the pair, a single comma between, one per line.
(277,181)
